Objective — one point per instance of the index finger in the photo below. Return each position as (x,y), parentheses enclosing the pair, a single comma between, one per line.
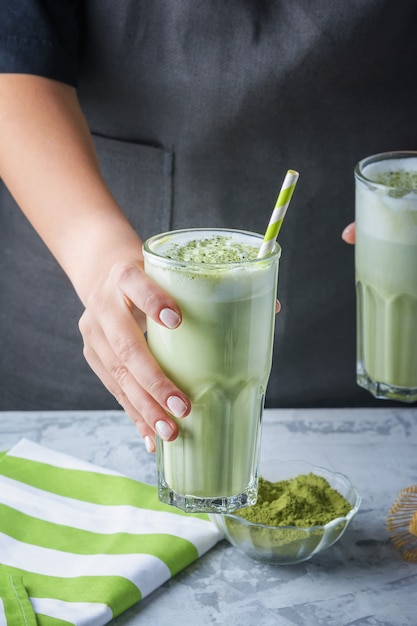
(146,295)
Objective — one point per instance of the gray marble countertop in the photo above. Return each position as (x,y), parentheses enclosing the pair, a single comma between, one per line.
(360,581)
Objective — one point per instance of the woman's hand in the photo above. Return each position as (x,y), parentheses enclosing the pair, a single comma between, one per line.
(349,233)
(112,327)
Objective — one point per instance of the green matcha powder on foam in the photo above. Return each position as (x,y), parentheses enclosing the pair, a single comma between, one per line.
(401,180)
(218,249)
(304,501)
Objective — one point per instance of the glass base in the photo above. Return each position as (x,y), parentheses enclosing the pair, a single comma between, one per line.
(384,391)
(219,504)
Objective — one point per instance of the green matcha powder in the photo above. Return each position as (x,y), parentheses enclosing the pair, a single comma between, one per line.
(216,249)
(303,501)
(401,179)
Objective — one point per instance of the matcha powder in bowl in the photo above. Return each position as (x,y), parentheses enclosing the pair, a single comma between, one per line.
(301,510)
(303,501)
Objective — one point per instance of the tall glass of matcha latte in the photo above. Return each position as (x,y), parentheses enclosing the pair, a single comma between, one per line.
(220,356)
(386,275)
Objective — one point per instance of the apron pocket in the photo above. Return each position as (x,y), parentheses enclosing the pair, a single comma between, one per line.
(140,178)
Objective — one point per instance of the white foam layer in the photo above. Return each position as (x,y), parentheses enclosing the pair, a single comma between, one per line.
(224,285)
(375,170)
(380,211)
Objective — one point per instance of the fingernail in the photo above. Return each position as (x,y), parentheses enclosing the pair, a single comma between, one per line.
(163,429)
(347,230)
(148,444)
(169,318)
(176,406)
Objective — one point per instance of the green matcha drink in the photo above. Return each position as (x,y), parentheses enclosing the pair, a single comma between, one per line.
(386,275)
(220,356)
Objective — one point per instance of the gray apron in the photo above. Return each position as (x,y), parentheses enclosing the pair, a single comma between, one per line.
(197,109)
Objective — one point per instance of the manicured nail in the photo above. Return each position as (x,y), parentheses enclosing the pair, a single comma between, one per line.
(169,318)
(176,406)
(348,230)
(148,444)
(164,430)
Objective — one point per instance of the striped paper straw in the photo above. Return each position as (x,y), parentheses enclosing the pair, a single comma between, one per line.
(278,213)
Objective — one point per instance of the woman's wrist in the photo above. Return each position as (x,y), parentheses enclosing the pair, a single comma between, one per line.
(90,258)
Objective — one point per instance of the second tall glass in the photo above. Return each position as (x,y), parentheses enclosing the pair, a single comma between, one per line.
(386,275)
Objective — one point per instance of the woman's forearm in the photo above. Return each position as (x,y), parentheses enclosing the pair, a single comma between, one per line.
(48,162)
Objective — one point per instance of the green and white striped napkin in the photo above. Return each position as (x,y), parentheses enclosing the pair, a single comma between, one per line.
(79,544)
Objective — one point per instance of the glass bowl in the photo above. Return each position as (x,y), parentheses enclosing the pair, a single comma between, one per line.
(289,544)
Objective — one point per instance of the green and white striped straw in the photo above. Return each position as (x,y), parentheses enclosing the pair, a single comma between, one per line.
(278,213)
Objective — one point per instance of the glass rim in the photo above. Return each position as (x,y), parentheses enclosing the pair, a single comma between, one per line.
(375,158)
(275,253)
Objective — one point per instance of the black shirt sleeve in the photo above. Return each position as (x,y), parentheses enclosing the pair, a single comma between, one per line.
(40,37)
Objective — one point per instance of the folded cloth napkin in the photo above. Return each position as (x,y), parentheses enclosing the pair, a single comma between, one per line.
(79,544)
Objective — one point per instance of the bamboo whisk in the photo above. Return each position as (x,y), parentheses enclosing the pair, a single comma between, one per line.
(402,523)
